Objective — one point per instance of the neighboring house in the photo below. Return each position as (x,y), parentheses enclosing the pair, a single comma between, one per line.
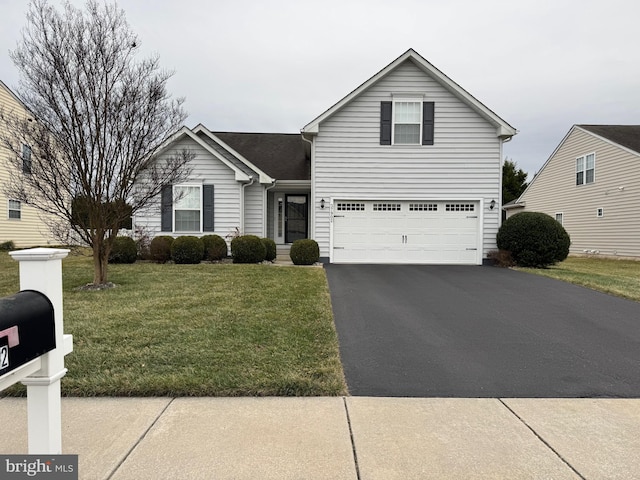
(404,169)
(20,223)
(591,185)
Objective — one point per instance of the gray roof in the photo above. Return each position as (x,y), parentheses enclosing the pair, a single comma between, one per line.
(625,135)
(283,156)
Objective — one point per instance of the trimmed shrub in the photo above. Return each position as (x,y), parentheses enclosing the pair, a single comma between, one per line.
(160,248)
(123,250)
(215,248)
(270,247)
(187,250)
(248,249)
(501,258)
(7,246)
(534,239)
(305,252)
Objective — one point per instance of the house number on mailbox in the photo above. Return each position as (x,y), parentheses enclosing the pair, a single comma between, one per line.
(4,353)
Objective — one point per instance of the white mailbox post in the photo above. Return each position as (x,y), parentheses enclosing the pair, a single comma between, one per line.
(41,270)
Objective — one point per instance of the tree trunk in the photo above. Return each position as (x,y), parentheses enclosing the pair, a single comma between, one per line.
(100,260)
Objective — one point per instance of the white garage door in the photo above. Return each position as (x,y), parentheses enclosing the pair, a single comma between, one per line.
(445,232)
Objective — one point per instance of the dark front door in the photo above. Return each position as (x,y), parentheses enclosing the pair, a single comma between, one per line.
(296,212)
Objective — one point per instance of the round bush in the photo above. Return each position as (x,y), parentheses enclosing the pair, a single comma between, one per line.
(270,248)
(534,239)
(160,248)
(123,250)
(305,252)
(215,248)
(248,249)
(187,250)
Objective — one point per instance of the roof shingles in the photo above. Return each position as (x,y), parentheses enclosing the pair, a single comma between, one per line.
(625,135)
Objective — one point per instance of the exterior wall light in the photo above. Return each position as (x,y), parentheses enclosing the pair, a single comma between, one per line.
(492,205)
(322,203)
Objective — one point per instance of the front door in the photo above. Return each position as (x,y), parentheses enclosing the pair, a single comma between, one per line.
(296,213)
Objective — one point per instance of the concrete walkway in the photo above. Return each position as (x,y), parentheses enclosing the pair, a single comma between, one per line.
(352,438)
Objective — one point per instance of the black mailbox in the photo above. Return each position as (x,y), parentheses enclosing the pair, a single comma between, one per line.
(27,329)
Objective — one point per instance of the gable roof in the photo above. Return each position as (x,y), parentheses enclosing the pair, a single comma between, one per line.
(503,129)
(281,155)
(624,135)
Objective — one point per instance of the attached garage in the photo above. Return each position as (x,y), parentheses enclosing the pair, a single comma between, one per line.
(416,231)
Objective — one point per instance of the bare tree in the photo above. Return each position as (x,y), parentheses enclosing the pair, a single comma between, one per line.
(99,114)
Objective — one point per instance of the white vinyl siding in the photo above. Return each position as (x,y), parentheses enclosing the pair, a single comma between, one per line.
(618,181)
(349,162)
(206,170)
(254,210)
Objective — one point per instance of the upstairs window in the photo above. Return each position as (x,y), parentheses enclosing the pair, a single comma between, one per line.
(26,159)
(406,121)
(585,169)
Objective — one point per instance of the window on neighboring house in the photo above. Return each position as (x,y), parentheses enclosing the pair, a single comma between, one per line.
(406,122)
(600,212)
(585,169)
(187,208)
(559,218)
(15,209)
(26,158)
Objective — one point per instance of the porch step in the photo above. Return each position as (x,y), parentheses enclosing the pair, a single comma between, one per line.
(282,253)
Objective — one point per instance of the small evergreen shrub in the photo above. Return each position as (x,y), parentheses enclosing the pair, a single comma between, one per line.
(187,250)
(7,246)
(305,252)
(270,247)
(215,248)
(501,258)
(248,249)
(160,248)
(534,239)
(123,250)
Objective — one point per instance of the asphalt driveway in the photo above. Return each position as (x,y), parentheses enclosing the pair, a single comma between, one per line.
(470,331)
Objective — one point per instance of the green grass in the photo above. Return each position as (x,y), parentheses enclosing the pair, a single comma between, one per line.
(196,330)
(616,277)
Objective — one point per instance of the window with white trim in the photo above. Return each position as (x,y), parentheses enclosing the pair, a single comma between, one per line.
(26,158)
(600,212)
(423,207)
(407,122)
(386,207)
(187,208)
(15,209)
(559,218)
(350,207)
(460,207)
(585,169)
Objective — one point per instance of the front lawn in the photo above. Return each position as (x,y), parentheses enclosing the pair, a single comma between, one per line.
(196,330)
(616,277)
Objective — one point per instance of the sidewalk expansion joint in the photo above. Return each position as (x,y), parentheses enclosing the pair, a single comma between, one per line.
(353,443)
(140,439)
(542,440)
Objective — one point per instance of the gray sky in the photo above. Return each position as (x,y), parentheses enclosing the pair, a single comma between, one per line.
(274,65)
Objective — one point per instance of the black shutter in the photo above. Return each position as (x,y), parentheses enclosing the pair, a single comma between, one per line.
(166,209)
(207,208)
(427,123)
(385,123)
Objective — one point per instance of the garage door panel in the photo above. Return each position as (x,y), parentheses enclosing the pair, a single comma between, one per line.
(406,232)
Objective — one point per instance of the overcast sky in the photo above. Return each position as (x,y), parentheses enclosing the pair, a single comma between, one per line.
(274,65)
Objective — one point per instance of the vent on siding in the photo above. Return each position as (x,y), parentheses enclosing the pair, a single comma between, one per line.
(386,207)
(423,207)
(350,207)
(460,207)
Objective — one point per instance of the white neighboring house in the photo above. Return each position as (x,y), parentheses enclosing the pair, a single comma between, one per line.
(25,226)
(404,169)
(591,185)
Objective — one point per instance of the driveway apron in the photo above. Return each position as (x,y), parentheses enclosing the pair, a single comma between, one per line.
(471,331)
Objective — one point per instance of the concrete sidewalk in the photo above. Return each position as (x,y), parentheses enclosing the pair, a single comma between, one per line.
(342,438)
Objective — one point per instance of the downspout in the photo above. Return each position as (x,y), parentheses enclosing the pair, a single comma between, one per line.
(242,202)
